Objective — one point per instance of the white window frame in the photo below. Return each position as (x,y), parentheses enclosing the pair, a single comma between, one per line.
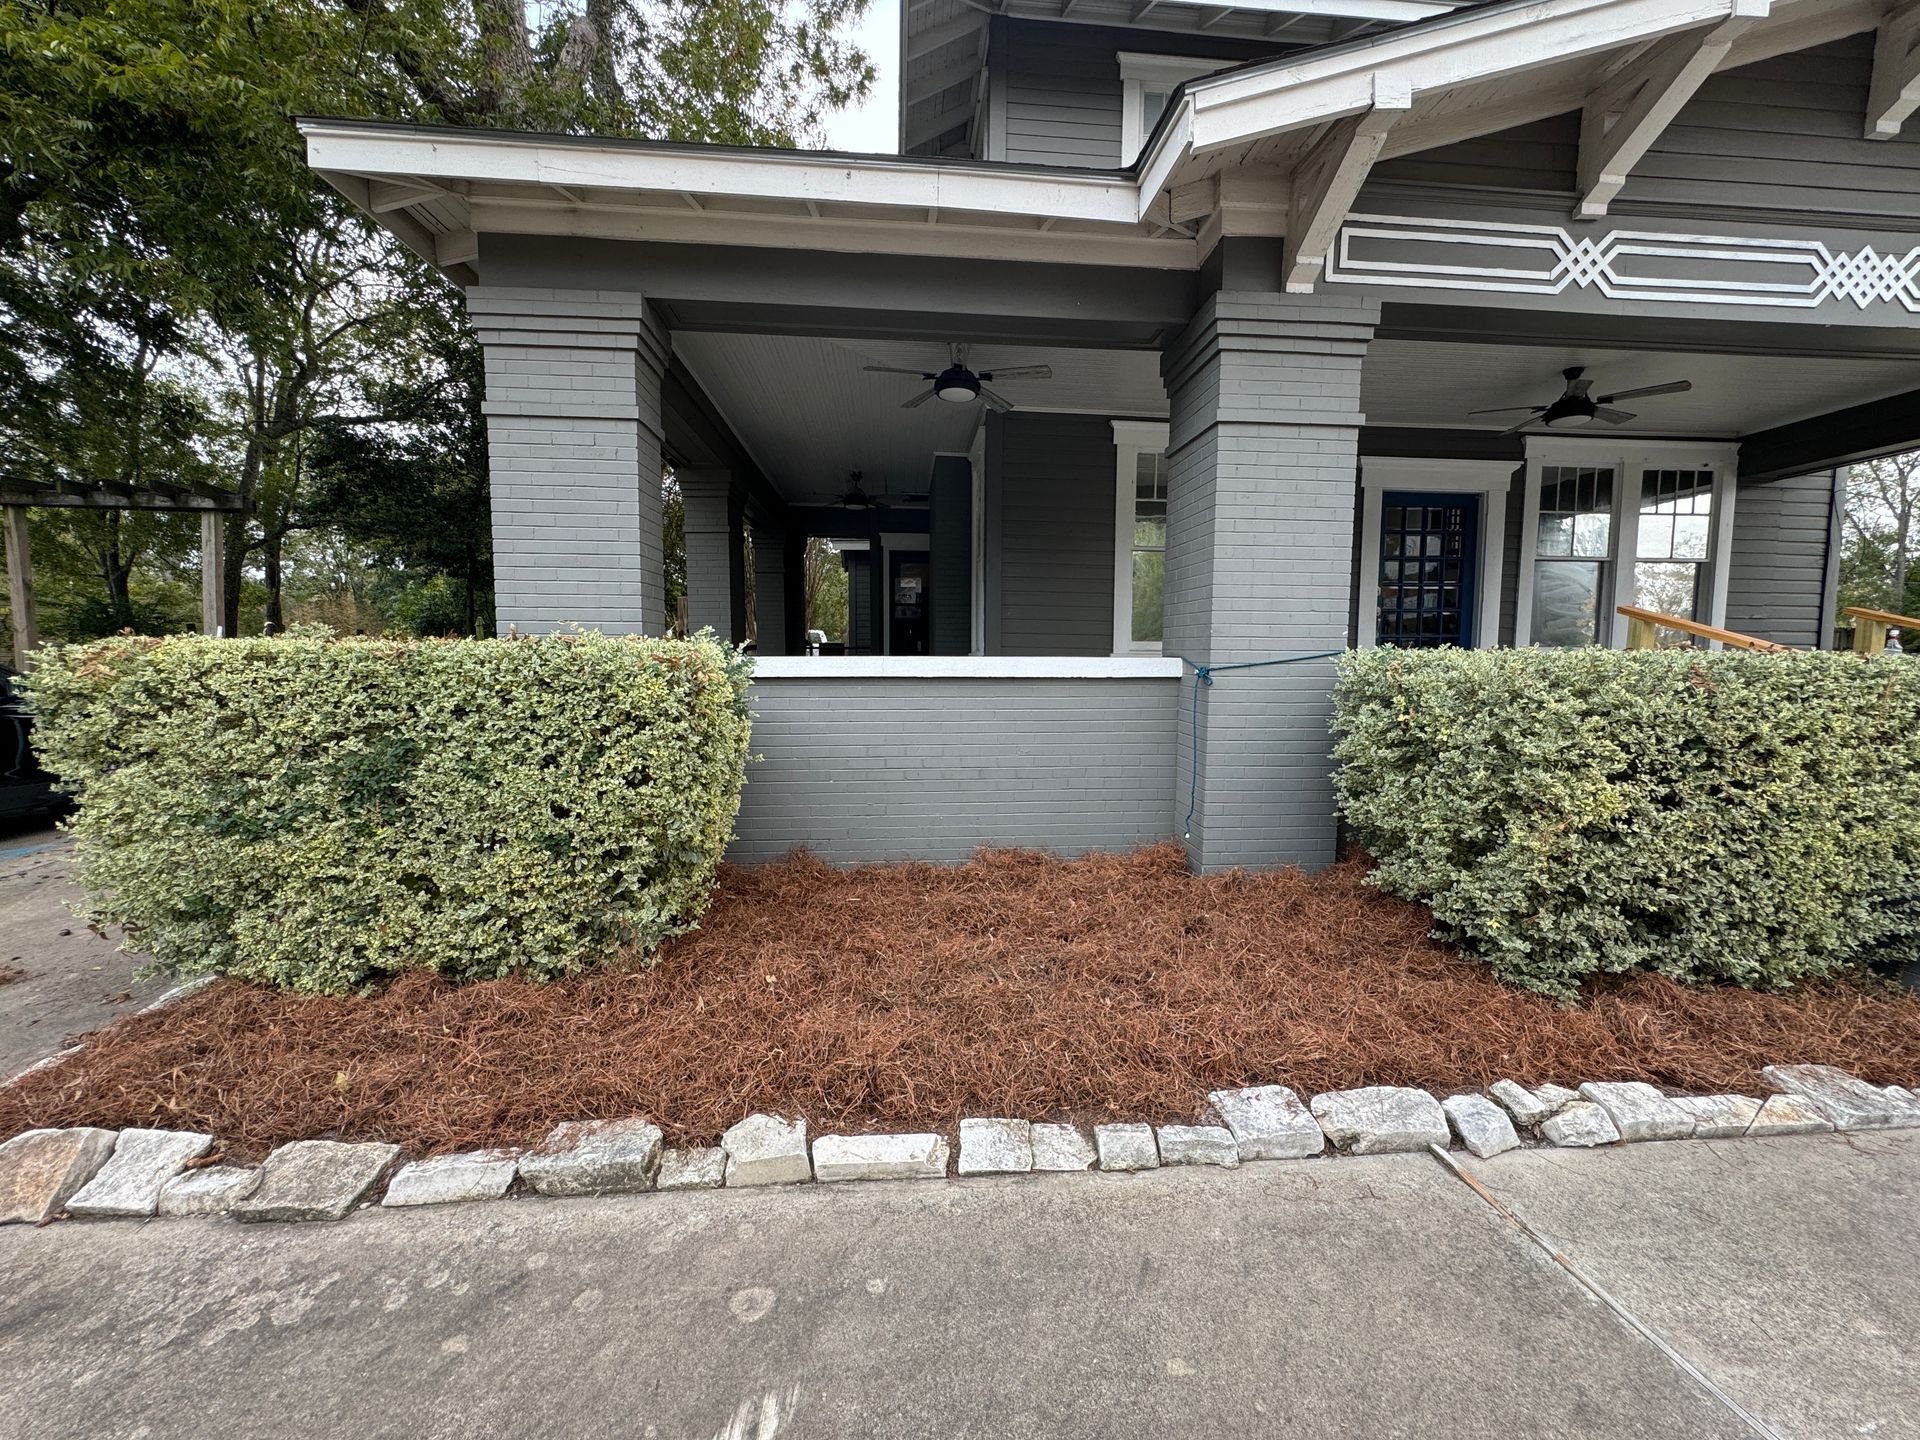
(1131,440)
(1629,459)
(1488,479)
(1138,72)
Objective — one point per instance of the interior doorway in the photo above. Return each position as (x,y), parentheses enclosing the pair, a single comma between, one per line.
(909,613)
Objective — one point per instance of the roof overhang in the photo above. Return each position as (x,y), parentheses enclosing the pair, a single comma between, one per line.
(1464,74)
(439,188)
(1279,147)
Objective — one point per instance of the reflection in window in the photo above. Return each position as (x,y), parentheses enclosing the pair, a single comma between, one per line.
(1571,555)
(1149,546)
(1676,532)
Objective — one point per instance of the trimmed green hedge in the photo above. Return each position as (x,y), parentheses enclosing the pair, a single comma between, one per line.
(1710,816)
(322,813)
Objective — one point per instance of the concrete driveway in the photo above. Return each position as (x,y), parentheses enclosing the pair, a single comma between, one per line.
(58,979)
(1366,1298)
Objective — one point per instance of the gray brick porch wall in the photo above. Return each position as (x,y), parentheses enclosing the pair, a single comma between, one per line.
(1264,439)
(879,769)
(574,433)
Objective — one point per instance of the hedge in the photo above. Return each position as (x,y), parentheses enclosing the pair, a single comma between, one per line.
(1709,816)
(320,814)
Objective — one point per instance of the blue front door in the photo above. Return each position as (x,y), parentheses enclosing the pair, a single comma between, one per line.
(1429,568)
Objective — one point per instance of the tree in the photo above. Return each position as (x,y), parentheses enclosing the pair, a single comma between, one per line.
(177,290)
(826,589)
(411,488)
(1880,522)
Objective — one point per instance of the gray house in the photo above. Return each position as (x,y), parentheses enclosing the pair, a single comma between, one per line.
(1193,335)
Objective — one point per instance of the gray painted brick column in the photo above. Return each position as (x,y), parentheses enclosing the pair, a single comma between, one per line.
(1264,437)
(716,553)
(574,435)
(770,589)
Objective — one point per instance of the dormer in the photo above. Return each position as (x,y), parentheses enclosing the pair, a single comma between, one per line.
(1081,82)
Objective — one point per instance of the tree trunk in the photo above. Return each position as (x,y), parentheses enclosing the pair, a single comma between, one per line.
(276,619)
(117,573)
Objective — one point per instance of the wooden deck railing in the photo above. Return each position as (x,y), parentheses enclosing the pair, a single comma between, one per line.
(1870,628)
(1644,627)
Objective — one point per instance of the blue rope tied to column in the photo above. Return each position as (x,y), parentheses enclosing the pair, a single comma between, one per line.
(1203,676)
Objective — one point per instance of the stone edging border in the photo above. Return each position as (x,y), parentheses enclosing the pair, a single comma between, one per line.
(87,1173)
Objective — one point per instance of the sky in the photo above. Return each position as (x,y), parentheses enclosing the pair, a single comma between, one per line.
(874,128)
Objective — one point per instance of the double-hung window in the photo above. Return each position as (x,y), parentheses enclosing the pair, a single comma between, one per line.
(1140,536)
(1615,522)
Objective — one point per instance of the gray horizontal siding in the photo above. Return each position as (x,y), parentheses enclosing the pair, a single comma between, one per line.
(1062,88)
(1784,134)
(1777,576)
(1051,480)
(1544,155)
(885,769)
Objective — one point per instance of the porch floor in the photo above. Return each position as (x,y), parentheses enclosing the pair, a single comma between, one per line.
(904,997)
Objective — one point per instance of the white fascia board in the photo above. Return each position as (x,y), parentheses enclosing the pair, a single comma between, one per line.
(838,179)
(965,667)
(1234,109)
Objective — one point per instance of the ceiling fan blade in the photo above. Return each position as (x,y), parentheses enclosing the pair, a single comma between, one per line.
(894,370)
(997,402)
(1674,387)
(1612,416)
(1020,372)
(1512,410)
(920,399)
(1518,426)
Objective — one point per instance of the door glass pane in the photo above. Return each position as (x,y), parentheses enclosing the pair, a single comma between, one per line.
(1426,570)
(1566,602)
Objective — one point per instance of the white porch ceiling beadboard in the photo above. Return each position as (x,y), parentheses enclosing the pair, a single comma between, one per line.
(810,415)
(1408,382)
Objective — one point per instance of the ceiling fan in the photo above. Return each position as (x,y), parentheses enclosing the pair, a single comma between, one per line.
(856,498)
(960,386)
(1577,406)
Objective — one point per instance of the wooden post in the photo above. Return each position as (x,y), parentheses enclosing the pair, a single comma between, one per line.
(1869,636)
(26,625)
(213,569)
(1642,634)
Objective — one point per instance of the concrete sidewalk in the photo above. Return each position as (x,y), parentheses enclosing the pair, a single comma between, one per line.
(58,979)
(1366,1298)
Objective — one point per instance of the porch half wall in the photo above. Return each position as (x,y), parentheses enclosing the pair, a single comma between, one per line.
(873,759)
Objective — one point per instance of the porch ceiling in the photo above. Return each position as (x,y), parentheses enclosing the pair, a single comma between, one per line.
(810,415)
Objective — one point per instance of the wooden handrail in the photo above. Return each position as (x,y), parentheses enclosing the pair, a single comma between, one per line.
(1870,628)
(1644,627)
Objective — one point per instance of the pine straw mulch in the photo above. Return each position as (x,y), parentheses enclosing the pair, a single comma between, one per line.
(1118,986)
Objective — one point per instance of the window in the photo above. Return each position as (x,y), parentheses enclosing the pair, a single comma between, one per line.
(1149,546)
(1675,538)
(1147,84)
(1612,523)
(1140,536)
(1571,551)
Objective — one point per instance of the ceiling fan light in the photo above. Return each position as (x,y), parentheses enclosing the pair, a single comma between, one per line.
(957,386)
(1573,420)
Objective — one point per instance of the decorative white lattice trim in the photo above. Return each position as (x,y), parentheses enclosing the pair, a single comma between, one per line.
(1622,265)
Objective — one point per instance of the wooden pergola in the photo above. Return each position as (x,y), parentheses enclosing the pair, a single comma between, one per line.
(19,494)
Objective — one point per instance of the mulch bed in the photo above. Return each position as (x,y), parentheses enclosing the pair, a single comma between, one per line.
(898,997)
